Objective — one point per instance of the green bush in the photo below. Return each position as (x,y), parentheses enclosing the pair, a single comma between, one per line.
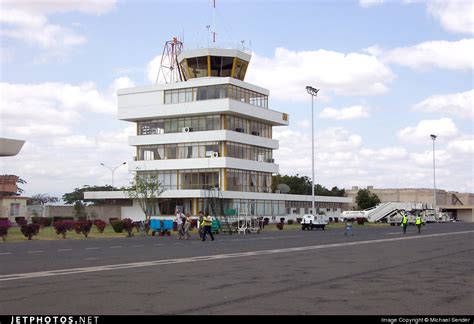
(290,221)
(299,220)
(117,225)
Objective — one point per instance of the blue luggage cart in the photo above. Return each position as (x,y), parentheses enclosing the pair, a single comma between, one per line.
(161,226)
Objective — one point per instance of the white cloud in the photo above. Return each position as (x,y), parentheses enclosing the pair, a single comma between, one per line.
(152,69)
(121,83)
(288,72)
(370,3)
(37,30)
(374,50)
(53,108)
(455,55)
(463,145)
(443,158)
(384,154)
(454,15)
(97,7)
(27,21)
(343,159)
(458,104)
(443,128)
(74,141)
(352,112)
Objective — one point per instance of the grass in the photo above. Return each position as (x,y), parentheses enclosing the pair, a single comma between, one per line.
(48,234)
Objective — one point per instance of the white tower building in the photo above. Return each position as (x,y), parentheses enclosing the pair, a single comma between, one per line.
(210,134)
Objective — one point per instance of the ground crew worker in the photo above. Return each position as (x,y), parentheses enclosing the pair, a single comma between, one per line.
(201,224)
(207,228)
(418,223)
(404,223)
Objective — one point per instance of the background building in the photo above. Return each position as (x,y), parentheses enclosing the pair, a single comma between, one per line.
(460,205)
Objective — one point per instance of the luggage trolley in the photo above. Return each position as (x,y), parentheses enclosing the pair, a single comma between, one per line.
(247,223)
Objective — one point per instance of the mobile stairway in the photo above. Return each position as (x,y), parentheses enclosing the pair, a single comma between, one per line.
(387,210)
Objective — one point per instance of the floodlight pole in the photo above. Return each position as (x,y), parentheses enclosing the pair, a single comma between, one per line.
(433,137)
(113,170)
(314,93)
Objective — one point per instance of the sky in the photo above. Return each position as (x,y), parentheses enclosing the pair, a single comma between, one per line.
(390,73)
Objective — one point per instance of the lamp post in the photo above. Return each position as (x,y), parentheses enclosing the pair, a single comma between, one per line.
(314,93)
(113,170)
(433,137)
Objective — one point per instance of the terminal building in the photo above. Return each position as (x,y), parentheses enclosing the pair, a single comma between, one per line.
(460,206)
(208,136)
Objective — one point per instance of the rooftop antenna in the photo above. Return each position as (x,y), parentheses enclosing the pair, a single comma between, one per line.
(208,32)
(243,47)
(170,71)
(214,23)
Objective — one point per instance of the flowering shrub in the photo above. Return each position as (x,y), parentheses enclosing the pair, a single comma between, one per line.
(20,221)
(279,226)
(4,226)
(62,227)
(30,230)
(83,226)
(128,226)
(100,224)
(117,225)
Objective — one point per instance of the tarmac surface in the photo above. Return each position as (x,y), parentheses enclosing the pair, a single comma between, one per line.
(378,271)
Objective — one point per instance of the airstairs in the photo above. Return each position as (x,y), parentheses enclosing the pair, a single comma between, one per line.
(226,218)
(389,209)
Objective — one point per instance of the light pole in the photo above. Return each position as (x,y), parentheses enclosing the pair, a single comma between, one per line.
(113,170)
(433,137)
(314,93)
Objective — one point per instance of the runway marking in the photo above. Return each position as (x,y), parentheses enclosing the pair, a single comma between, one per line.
(5,253)
(138,245)
(394,233)
(39,274)
(64,250)
(35,251)
(159,244)
(115,247)
(92,248)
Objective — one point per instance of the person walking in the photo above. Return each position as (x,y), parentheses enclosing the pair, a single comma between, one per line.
(187,227)
(200,224)
(207,228)
(404,222)
(179,223)
(418,223)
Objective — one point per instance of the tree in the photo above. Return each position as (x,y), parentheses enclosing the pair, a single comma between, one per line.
(41,199)
(146,189)
(71,198)
(301,185)
(365,199)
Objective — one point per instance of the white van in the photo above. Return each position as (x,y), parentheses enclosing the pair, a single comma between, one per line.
(354,214)
(317,221)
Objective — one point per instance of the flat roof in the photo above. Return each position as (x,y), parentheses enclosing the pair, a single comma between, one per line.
(10,147)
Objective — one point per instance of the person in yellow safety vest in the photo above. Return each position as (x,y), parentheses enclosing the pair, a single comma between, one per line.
(418,223)
(404,223)
(207,228)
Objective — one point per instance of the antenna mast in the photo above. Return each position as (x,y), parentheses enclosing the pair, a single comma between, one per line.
(170,71)
(214,23)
